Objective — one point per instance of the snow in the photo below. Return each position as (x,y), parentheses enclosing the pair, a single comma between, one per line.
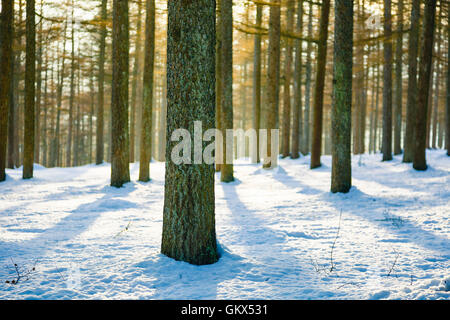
(281,234)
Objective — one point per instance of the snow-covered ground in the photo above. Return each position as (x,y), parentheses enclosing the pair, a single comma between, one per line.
(278,233)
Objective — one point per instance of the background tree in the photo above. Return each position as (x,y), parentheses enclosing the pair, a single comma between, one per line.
(341,175)
(120,153)
(426,52)
(189,222)
(316,144)
(147,106)
(6,55)
(101,80)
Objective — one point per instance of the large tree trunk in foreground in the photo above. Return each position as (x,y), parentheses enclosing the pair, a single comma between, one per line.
(226,105)
(6,55)
(447,119)
(426,52)
(30,76)
(316,144)
(147,105)
(341,117)
(408,145)
(189,222)
(120,153)
(387,84)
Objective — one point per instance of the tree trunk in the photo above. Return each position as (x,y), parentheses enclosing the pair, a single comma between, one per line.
(71,98)
(297,113)
(226,33)
(305,144)
(147,105)
(426,52)
(286,129)
(447,119)
(408,147)
(257,81)
(6,54)
(316,144)
(189,220)
(30,77)
(341,175)
(273,77)
(398,81)
(387,84)
(100,145)
(120,152)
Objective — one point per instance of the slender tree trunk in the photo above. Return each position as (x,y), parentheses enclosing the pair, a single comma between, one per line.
(147,106)
(226,32)
(257,81)
(286,129)
(398,81)
(44,124)
(12,141)
(71,98)
(426,52)
(316,144)
(120,152)
(447,118)
(387,84)
(100,146)
(30,77)
(189,220)
(297,113)
(377,103)
(341,128)
(408,147)
(37,127)
(437,81)
(273,77)
(305,145)
(6,54)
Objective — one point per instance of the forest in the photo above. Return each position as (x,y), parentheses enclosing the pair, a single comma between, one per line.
(219,149)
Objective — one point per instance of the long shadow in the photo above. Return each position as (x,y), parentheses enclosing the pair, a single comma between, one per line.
(72,225)
(282,176)
(407,232)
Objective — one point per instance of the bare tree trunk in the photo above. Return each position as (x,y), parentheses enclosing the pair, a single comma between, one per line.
(189,219)
(257,81)
(297,114)
(71,98)
(120,148)
(286,129)
(341,118)
(408,148)
(437,82)
(6,54)
(147,105)
(100,144)
(426,52)
(305,145)
(226,33)
(447,119)
(387,84)
(30,78)
(37,127)
(398,81)
(316,144)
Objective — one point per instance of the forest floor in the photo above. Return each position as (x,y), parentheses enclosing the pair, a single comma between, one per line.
(281,234)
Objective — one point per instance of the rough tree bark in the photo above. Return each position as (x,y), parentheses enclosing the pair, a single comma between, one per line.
(257,81)
(147,105)
(120,153)
(341,172)
(30,77)
(226,33)
(189,221)
(6,55)
(387,84)
(100,146)
(426,51)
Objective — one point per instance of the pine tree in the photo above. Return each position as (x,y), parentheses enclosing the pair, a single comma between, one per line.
(147,106)
(100,147)
(387,84)
(6,57)
(426,52)
(226,33)
(30,76)
(316,143)
(341,176)
(189,222)
(120,153)
(257,81)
